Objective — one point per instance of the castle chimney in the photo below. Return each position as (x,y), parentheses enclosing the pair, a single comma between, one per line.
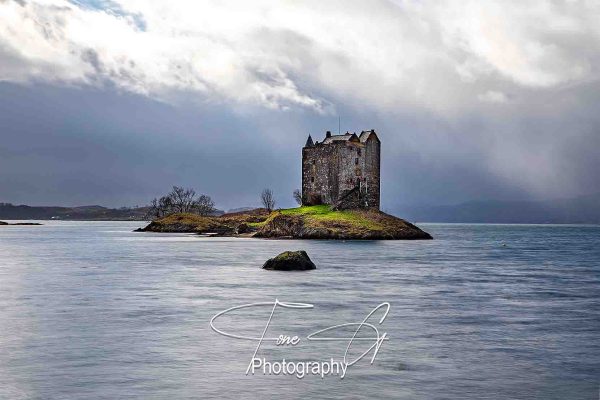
(328,134)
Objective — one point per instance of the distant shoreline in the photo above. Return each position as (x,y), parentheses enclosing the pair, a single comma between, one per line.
(4,223)
(582,210)
(414,222)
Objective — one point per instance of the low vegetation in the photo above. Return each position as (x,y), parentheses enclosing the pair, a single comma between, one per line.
(310,222)
(186,223)
(321,222)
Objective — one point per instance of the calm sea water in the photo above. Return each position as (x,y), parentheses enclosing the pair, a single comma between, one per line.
(93,310)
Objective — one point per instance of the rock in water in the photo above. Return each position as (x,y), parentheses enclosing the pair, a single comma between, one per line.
(290,261)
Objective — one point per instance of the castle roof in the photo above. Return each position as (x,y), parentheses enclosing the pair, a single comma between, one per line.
(309,142)
(365,135)
(347,137)
(341,138)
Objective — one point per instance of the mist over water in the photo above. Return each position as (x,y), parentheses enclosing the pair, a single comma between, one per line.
(94,310)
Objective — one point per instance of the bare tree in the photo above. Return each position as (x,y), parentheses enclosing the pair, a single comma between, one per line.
(182,199)
(153,211)
(159,207)
(266,197)
(204,205)
(298,196)
(165,205)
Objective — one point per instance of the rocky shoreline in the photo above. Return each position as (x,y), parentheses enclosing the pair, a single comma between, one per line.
(315,222)
(19,223)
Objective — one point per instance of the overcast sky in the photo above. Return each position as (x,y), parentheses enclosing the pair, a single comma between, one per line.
(113,102)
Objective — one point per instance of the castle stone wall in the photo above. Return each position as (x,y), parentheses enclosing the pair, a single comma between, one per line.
(330,170)
(372,172)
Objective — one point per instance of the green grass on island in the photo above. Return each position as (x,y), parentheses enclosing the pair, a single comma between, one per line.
(307,222)
(323,213)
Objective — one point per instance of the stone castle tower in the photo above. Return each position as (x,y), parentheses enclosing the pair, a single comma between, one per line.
(342,170)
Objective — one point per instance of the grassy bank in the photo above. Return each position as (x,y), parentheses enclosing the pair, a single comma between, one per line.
(309,222)
(324,214)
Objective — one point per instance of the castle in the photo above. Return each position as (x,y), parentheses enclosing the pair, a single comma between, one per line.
(342,170)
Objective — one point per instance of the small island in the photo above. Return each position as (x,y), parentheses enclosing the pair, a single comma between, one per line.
(307,222)
(20,223)
(340,199)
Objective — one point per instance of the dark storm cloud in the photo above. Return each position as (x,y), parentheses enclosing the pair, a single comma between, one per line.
(62,146)
(472,101)
(73,147)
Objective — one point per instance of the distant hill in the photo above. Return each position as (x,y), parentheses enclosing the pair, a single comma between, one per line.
(81,213)
(98,213)
(578,210)
(240,209)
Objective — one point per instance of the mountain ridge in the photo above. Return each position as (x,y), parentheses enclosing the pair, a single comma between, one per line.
(575,210)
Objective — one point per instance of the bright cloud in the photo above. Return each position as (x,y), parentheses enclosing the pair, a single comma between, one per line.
(439,55)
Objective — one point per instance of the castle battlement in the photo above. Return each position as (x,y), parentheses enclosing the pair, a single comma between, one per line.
(342,170)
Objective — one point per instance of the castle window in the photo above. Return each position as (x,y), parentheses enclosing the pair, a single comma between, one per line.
(314,162)
(312,178)
(359,152)
(356,161)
